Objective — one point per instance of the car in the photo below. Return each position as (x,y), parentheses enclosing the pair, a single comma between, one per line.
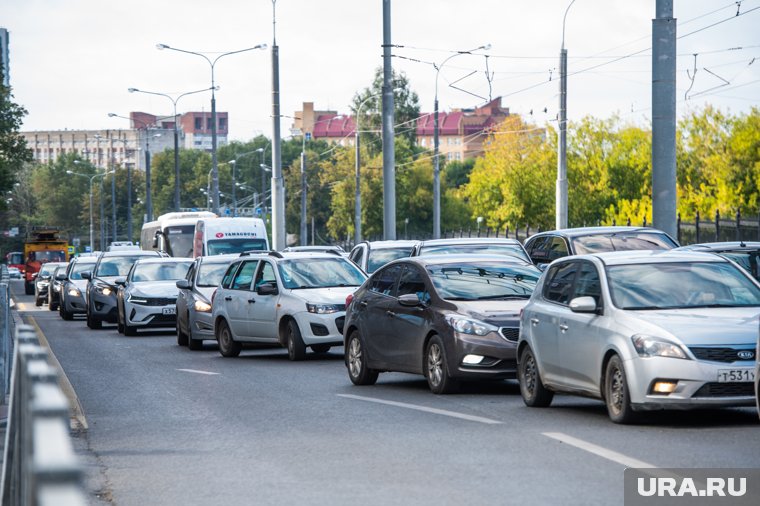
(371,255)
(74,286)
(447,317)
(54,290)
(746,254)
(757,377)
(544,247)
(334,248)
(101,288)
(296,300)
(42,281)
(14,273)
(147,296)
(474,246)
(641,330)
(194,323)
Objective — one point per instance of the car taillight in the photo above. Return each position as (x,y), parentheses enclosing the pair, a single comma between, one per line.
(213,295)
(349,299)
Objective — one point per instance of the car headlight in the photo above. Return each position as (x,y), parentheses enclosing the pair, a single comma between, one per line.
(650,346)
(137,300)
(56,288)
(202,307)
(470,326)
(323,308)
(74,292)
(105,290)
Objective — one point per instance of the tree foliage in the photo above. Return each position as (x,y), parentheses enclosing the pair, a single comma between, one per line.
(13,150)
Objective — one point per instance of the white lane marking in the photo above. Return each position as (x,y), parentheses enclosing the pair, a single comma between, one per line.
(444,412)
(598,450)
(208,373)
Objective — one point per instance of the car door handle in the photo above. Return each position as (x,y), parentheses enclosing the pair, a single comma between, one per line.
(228,298)
(562,327)
(363,304)
(390,314)
(534,321)
(251,301)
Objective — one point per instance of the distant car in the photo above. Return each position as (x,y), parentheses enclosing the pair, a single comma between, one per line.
(74,286)
(641,330)
(746,254)
(447,317)
(317,249)
(472,246)
(545,247)
(371,255)
(14,273)
(194,323)
(296,300)
(147,296)
(101,287)
(42,281)
(54,290)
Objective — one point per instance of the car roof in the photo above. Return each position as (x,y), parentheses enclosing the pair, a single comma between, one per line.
(469,240)
(313,248)
(85,260)
(461,258)
(130,253)
(219,259)
(578,232)
(163,260)
(721,246)
(290,255)
(390,244)
(649,256)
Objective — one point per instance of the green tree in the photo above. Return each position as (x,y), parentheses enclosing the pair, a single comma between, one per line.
(13,150)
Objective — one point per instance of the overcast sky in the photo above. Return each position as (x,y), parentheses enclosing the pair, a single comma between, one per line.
(71,61)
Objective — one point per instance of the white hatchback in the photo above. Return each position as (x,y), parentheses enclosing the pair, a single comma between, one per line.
(296,300)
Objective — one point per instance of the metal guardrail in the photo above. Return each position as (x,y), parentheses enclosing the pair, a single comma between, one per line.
(6,343)
(40,467)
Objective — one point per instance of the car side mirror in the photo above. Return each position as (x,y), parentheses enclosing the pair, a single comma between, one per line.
(60,277)
(184,284)
(583,305)
(409,300)
(34,275)
(120,281)
(267,289)
(86,275)
(542,267)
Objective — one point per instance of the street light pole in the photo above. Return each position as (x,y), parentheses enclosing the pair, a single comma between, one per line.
(561,192)
(357,176)
(91,178)
(234,178)
(113,194)
(212,64)
(436,156)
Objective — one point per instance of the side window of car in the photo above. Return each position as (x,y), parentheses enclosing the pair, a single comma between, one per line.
(536,250)
(227,279)
(557,248)
(357,256)
(559,282)
(412,282)
(244,276)
(384,280)
(588,284)
(265,275)
(191,272)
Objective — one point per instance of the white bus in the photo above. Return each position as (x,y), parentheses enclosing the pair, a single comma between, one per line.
(221,236)
(172,232)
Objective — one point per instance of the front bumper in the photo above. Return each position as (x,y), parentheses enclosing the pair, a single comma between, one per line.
(103,307)
(139,315)
(499,357)
(202,324)
(697,384)
(74,303)
(321,328)
(42,289)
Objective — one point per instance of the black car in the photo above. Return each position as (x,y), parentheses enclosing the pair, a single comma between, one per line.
(42,281)
(448,317)
(545,247)
(54,289)
(101,286)
(74,286)
(746,254)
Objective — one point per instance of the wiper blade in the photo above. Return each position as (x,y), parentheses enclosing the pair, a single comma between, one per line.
(643,308)
(459,298)
(504,297)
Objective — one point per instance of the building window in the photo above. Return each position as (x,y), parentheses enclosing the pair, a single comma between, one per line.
(422,142)
(198,123)
(209,124)
(222,123)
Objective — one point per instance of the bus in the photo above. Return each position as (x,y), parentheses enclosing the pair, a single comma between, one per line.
(172,233)
(220,236)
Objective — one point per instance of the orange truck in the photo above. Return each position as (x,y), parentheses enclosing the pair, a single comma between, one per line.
(41,246)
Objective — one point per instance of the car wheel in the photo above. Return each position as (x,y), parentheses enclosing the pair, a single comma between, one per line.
(119,323)
(228,347)
(532,388)
(437,369)
(93,323)
(37,301)
(616,394)
(52,305)
(296,348)
(181,336)
(28,288)
(66,315)
(194,344)
(129,330)
(356,362)
(321,348)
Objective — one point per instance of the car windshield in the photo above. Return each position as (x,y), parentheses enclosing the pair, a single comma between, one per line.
(622,241)
(512,250)
(750,260)
(210,274)
(116,266)
(179,240)
(679,285)
(226,246)
(319,273)
(47,269)
(49,255)
(483,280)
(79,268)
(160,271)
(379,257)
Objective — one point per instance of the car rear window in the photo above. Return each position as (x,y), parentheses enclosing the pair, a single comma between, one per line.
(624,241)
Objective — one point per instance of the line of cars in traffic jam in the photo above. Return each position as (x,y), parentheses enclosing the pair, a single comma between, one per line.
(620,314)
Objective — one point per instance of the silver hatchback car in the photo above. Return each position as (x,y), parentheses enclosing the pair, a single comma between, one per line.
(641,330)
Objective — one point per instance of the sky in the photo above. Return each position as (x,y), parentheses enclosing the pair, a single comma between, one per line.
(72,61)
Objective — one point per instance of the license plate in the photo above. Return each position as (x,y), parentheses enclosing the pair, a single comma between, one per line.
(736,375)
(170,310)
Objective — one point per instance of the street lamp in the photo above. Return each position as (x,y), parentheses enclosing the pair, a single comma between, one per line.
(561,192)
(436,161)
(212,63)
(357,176)
(234,178)
(129,191)
(91,178)
(176,136)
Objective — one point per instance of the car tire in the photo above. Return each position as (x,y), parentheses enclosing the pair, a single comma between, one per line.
(194,344)
(437,368)
(28,288)
(320,348)
(37,301)
(52,306)
(532,388)
(182,339)
(296,348)
(129,330)
(93,323)
(616,394)
(66,315)
(228,347)
(119,323)
(356,362)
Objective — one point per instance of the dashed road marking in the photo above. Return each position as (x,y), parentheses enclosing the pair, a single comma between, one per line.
(207,373)
(436,411)
(600,451)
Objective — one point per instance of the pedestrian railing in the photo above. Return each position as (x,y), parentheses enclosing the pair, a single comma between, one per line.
(40,467)
(6,342)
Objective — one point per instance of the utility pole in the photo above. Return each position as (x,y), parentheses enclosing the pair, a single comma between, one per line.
(664,118)
(113,194)
(278,188)
(303,232)
(560,214)
(389,154)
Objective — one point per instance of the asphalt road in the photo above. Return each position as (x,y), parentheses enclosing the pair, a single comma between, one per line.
(169,426)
